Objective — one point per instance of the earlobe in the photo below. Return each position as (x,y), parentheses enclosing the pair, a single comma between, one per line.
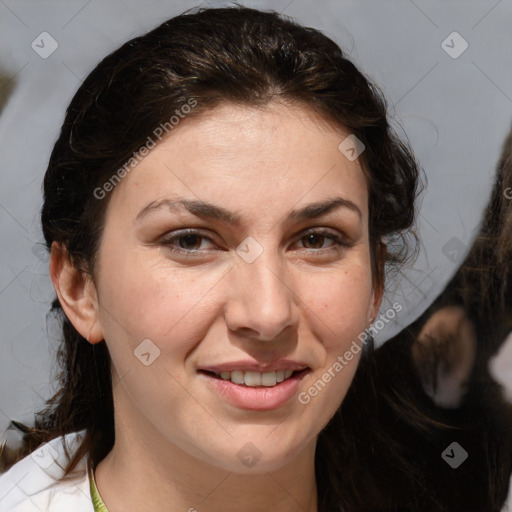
(76,293)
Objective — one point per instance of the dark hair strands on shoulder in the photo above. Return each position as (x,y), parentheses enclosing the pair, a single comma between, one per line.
(482,424)
(250,57)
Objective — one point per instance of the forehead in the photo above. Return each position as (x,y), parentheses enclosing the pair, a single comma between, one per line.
(238,154)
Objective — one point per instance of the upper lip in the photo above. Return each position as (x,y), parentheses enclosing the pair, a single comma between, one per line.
(255,366)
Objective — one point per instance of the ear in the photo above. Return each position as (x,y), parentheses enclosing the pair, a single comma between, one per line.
(77,294)
(444,354)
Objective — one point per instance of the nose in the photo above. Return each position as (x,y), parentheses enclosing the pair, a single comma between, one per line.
(262,301)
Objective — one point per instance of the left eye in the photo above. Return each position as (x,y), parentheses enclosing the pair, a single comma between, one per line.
(316,238)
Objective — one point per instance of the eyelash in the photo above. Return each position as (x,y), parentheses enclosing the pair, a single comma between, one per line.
(339,241)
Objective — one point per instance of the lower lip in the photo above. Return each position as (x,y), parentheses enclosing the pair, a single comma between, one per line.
(256,398)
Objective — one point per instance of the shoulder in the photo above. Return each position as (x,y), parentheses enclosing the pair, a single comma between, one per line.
(31,484)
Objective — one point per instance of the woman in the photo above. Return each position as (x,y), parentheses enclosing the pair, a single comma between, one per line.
(237,373)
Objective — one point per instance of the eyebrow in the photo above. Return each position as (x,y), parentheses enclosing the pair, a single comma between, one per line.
(211,211)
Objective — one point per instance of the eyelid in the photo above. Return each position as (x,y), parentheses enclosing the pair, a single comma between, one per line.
(174,235)
(340,239)
(335,235)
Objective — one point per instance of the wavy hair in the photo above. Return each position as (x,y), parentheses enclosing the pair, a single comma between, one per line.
(244,56)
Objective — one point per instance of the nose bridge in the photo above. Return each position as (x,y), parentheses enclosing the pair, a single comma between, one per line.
(263,300)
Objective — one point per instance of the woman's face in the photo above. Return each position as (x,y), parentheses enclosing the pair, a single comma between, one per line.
(238,243)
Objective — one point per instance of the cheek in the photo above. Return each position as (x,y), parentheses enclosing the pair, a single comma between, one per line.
(341,302)
(144,297)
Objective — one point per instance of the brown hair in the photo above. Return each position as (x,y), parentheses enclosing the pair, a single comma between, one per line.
(251,57)
(482,424)
(483,284)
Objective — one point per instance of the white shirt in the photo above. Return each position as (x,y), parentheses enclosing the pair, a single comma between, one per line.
(30,485)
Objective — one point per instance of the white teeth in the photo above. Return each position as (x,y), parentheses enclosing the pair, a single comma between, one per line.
(252,378)
(237,377)
(268,379)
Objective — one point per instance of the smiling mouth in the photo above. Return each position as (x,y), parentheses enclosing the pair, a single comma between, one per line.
(257,379)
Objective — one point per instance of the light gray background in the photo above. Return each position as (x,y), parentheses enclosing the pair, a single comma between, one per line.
(456,113)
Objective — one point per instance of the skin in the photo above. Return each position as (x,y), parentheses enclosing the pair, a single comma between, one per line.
(176,439)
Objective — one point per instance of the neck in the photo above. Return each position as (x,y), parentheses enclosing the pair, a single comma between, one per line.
(146,471)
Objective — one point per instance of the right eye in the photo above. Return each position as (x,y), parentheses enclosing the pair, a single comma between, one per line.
(187,241)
